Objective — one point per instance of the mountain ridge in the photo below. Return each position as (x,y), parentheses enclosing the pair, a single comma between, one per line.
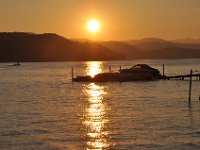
(22,46)
(50,47)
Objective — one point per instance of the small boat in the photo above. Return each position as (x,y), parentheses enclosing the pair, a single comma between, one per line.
(140,72)
(15,64)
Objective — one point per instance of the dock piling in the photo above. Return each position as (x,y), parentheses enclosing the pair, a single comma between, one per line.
(109,68)
(163,70)
(190,87)
(72,71)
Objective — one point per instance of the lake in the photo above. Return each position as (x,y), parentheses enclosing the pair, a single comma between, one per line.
(40,108)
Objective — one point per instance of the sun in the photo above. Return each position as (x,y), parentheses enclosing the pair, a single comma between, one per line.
(93,25)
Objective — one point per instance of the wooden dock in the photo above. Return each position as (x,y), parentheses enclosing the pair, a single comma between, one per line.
(182,77)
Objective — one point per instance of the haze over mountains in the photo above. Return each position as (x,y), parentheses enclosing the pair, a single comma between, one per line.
(188,41)
(19,46)
(156,44)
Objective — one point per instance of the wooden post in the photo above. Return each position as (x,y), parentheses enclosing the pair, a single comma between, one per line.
(72,73)
(120,68)
(109,68)
(163,70)
(190,87)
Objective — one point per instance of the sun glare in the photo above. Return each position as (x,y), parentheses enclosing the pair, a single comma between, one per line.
(93,26)
(93,68)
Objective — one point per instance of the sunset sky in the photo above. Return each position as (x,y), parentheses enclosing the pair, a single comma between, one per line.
(119,19)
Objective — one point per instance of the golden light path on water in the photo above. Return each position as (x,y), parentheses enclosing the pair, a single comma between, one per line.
(93,68)
(95,112)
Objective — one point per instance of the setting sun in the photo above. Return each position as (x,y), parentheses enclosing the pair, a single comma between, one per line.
(93,25)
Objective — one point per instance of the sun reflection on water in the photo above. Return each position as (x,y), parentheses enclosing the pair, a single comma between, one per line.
(95,117)
(93,68)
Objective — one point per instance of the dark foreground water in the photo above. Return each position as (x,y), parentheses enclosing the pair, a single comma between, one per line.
(41,109)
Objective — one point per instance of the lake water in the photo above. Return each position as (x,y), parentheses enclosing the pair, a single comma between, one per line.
(41,109)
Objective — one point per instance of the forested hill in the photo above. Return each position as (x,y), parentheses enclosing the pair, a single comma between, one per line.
(30,47)
(19,46)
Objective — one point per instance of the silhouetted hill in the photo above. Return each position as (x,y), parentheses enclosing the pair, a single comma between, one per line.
(154,48)
(149,44)
(20,47)
(127,50)
(187,41)
(160,49)
(147,40)
(50,47)
(174,52)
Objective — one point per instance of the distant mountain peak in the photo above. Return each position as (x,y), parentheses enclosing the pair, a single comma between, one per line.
(152,39)
(147,40)
(187,41)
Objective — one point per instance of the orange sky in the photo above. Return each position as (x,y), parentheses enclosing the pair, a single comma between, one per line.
(120,19)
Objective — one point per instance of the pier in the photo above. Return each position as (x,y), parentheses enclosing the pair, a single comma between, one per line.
(182,77)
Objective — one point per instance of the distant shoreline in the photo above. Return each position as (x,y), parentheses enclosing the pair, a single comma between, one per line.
(98,60)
